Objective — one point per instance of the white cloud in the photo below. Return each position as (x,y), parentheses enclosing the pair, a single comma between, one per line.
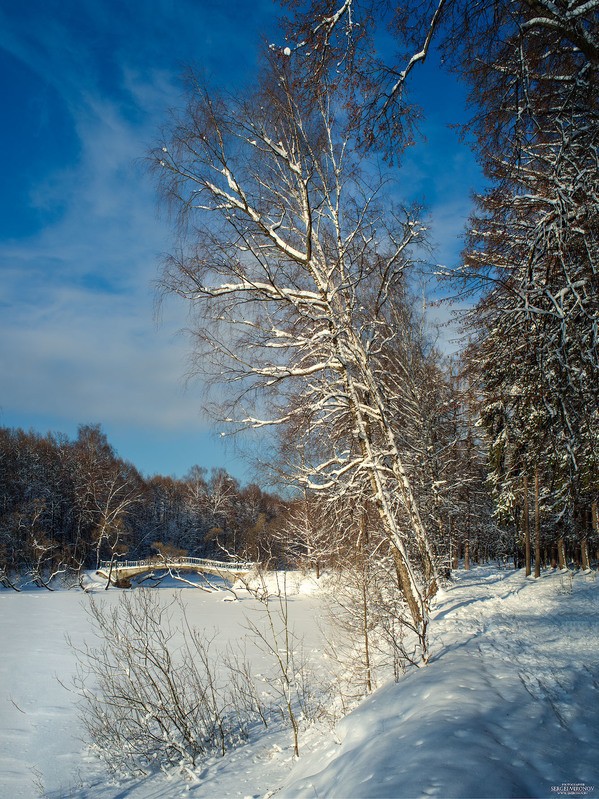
(86,355)
(78,338)
(78,334)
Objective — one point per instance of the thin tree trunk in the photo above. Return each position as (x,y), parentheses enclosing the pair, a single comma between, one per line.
(537,526)
(595,522)
(467,540)
(455,546)
(107,586)
(561,552)
(404,582)
(585,524)
(365,631)
(526,524)
(585,561)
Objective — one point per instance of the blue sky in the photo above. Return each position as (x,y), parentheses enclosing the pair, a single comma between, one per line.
(85,87)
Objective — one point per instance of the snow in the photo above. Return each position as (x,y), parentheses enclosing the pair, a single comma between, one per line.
(505,708)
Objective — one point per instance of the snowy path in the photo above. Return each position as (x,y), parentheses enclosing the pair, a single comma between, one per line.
(537,653)
(506,708)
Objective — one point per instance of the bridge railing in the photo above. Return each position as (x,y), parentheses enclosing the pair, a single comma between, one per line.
(157,562)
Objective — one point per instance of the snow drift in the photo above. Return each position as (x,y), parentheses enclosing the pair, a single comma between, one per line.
(506,708)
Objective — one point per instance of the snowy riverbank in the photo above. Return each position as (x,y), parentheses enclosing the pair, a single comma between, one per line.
(506,708)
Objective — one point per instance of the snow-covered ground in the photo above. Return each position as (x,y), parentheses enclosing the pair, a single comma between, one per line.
(506,707)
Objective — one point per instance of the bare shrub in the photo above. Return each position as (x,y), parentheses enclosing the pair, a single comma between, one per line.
(295,694)
(154,694)
(371,632)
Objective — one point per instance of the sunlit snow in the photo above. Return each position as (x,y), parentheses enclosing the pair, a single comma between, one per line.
(506,707)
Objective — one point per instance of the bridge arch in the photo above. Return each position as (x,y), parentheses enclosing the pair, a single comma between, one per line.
(119,572)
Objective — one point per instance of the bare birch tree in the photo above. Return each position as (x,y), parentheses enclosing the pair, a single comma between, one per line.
(292,268)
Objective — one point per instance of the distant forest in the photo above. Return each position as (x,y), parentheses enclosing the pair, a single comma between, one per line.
(67,504)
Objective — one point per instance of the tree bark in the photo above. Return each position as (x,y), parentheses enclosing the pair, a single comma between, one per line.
(585,562)
(595,522)
(586,524)
(561,552)
(537,526)
(526,525)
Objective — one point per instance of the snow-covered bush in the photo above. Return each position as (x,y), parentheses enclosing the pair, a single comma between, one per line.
(153,692)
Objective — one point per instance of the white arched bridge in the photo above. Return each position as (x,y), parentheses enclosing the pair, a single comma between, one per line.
(121,571)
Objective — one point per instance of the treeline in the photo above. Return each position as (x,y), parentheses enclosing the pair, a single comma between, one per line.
(67,504)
